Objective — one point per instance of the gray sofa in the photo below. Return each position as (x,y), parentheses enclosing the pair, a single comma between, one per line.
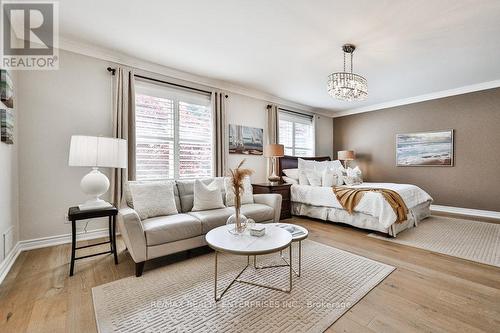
(163,235)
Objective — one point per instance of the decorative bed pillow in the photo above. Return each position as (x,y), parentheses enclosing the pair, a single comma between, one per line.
(292,173)
(329,178)
(152,199)
(207,196)
(314,177)
(289,180)
(303,178)
(247,195)
(352,176)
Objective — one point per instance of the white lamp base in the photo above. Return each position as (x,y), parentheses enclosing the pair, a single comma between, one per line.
(94,184)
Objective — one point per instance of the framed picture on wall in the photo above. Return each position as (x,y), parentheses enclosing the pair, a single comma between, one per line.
(6,89)
(245,140)
(433,148)
(7,126)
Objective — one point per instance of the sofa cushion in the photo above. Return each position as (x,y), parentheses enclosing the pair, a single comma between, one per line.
(127,195)
(186,191)
(258,212)
(212,218)
(153,199)
(165,229)
(207,196)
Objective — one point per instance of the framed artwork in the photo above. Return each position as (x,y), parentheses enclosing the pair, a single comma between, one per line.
(7,126)
(6,89)
(245,140)
(433,148)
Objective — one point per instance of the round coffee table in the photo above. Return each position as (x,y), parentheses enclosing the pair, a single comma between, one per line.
(276,239)
(298,233)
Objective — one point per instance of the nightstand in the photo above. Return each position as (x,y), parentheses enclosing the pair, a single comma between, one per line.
(75,214)
(280,188)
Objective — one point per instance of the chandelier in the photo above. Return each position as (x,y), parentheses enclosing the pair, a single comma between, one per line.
(347,86)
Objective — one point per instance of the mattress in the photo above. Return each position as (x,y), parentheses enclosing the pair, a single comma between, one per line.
(372,204)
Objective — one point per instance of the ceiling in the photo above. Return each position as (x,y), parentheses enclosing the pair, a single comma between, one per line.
(287,48)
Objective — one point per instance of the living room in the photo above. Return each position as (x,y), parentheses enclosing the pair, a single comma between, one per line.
(250,166)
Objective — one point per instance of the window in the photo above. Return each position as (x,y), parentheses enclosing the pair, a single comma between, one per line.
(296,133)
(173,132)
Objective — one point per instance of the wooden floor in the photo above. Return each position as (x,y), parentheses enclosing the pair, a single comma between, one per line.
(428,292)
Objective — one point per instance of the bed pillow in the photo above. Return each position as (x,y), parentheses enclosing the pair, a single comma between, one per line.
(207,196)
(314,177)
(329,178)
(247,195)
(289,180)
(352,176)
(152,199)
(291,173)
(303,178)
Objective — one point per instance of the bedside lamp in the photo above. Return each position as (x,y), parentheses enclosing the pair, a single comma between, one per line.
(96,152)
(346,155)
(274,151)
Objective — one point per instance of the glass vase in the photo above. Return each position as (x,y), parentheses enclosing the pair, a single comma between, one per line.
(236,223)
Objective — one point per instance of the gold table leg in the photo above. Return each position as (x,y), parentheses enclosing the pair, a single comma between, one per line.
(287,263)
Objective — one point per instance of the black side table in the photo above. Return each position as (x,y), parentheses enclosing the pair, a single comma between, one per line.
(75,214)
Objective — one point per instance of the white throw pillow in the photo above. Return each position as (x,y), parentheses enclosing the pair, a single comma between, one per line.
(207,196)
(247,195)
(353,176)
(329,178)
(314,177)
(303,178)
(289,180)
(153,199)
(291,173)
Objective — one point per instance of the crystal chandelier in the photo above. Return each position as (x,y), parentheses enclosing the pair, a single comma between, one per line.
(347,86)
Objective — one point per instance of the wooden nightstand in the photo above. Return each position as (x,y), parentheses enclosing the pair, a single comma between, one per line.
(281,188)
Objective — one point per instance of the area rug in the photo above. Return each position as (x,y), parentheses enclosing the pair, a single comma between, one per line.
(180,297)
(466,239)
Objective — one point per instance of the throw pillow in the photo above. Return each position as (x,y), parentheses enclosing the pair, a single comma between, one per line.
(352,176)
(329,178)
(314,177)
(303,178)
(291,173)
(246,196)
(153,199)
(289,180)
(206,196)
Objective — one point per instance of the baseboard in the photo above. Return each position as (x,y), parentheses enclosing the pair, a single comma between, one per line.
(37,243)
(489,214)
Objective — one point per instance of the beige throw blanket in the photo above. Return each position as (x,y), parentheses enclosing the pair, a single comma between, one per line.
(350,197)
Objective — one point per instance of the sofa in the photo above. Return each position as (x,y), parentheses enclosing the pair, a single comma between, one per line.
(163,235)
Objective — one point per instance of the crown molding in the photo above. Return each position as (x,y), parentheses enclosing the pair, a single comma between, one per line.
(421,98)
(115,57)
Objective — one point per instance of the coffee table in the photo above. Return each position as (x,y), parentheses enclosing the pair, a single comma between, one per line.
(300,233)
(275,240)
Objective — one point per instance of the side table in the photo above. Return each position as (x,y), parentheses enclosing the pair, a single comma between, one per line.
(75,214)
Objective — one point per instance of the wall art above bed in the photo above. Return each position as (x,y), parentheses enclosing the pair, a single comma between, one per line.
(433,148)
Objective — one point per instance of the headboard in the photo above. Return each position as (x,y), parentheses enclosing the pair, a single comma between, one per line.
(292,162)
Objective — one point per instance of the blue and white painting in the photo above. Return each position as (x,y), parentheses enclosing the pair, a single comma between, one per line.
(425,149)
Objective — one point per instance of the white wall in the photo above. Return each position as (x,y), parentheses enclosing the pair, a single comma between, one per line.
(9,178)
(77,99)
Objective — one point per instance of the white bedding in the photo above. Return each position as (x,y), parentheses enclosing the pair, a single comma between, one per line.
(372,203)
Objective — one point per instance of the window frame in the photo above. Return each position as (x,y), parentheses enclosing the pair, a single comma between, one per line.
(175,97)
(294,118)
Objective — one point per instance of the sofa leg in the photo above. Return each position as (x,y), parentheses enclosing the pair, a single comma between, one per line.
(139,267)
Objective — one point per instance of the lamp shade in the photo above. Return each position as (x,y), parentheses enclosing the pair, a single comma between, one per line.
(274,150)
(94,151)
(346,155)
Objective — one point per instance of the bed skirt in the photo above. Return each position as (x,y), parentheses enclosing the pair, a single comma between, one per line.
(360,220)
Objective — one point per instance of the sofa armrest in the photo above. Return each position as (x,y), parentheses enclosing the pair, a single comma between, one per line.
(132,233)
(272,200)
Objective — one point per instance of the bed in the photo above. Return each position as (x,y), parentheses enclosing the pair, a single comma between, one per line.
(372,212)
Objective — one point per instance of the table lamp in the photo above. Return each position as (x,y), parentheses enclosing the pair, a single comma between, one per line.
(274,151)
(96,152)
(346,155)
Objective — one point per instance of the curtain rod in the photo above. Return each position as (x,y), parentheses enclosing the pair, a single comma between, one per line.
(113,71)
(305,113)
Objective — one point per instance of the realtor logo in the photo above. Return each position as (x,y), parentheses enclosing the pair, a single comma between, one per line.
(30,36)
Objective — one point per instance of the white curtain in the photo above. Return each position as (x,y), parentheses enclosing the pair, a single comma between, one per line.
(220,133)
(123,128)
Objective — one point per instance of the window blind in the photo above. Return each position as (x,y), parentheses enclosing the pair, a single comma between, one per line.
(173,132)
(296,133)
